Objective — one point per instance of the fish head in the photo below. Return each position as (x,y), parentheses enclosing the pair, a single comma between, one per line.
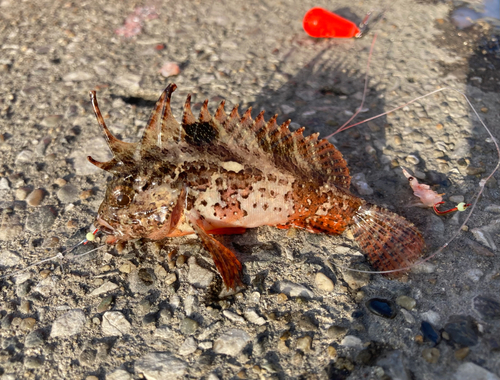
(137,208)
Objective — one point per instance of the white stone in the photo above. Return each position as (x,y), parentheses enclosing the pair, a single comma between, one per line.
(197,276)
(188,347)
(469,371)
(431,316)
(118,374)
(68,324)
(323,282)
(294,290)
(9,259)
(77,76)
(252,316)
(358,180)
(114,323)
(160,366)
(231,342)
(104,288)
(233,317)
(352,341)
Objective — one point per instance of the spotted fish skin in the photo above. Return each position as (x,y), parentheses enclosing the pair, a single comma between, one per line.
(225,173)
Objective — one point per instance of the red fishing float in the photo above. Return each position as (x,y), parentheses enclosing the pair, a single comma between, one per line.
(319,22)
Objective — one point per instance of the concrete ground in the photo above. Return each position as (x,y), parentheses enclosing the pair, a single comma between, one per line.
(129,312)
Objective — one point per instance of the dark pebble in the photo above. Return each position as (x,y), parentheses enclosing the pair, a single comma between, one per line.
(105,304)
(434,178)
(149,319)
(357,314)
(494,344)
(462,330)
(487,307)
(142,281)
(429,332)
(41,219)
(381,307)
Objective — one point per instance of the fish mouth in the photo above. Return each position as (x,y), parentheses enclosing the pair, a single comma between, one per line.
(104,226)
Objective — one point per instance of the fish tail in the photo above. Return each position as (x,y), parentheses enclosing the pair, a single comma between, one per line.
(387,239)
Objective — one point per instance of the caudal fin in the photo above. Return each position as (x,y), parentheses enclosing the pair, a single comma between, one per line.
(387,239)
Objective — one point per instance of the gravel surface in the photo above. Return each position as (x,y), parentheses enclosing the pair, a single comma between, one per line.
(160,311)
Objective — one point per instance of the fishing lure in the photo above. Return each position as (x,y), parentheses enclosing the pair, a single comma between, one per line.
(223,174)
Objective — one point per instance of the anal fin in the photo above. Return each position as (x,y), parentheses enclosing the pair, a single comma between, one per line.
(226,262)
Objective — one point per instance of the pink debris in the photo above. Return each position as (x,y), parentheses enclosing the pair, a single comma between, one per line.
(170,69)
(427,196)
(133,23)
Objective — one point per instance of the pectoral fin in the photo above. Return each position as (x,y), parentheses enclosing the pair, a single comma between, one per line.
(226,262)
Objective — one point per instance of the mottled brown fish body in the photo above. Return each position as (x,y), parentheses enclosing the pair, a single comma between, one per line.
(224,173)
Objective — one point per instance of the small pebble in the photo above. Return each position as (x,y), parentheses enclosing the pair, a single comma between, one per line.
(188,326)
(407,302)
(281,298)
(105,304)
(27,324)
(474,171)
(381,307)
(336,332)
(231,342)
(160,365)
(4,184)
(22,193)
(462,330)
(358,180)
(461,353)
(471,371)
(198,276)
(351,341)
(114,323)
(233,317)
(323,282)
(292,289)
(24,157)
(33,362)
(188,347)
(85,194)
(304,343)
(412,159)
(332,352)
(68,194)
(431,355)
(60,182)
(429,332)
(170,278)
(68,324)
(35,197)
(34,339)
(487,307)
(170,69)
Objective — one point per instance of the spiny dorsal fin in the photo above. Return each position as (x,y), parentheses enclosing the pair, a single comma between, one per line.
(123,152)
(306,156)
(162,127)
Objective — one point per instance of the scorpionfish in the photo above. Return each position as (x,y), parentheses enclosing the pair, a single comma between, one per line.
(222,174)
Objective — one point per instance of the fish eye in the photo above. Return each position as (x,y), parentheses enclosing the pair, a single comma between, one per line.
(122,200)
(122,196)
(410,179)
